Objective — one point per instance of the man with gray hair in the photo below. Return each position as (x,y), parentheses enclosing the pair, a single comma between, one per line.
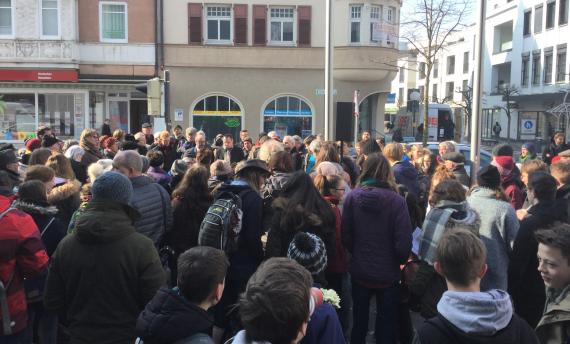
(290,146)
(149,198)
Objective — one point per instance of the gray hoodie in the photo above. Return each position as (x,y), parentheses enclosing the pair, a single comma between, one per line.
(483,313)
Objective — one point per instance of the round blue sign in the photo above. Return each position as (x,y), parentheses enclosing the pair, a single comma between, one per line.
(528,124)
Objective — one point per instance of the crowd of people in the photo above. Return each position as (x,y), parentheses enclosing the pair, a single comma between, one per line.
(174,237)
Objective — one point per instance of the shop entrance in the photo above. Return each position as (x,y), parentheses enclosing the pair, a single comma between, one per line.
(138,114)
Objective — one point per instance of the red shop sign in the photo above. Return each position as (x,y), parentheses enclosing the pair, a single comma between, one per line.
(67,75)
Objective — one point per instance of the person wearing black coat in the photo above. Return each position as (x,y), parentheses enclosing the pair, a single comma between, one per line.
(525,282)
(556,146)
(228,151)
(33,201)
(180,315)
(168,149)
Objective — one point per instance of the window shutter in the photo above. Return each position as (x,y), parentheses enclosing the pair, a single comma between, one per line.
(304,28)
(240,24)
(259,25)
(194,23)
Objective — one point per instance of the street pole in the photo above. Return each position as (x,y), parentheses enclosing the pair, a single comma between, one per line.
(477,94)
(328,70)
(356,115)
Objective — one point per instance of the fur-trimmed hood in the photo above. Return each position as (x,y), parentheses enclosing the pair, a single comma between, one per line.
(31,208)
(63,191)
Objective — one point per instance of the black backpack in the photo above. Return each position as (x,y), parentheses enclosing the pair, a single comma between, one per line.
(222,224)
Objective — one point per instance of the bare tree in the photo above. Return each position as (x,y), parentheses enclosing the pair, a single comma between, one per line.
(427,30)
(467,105)
(508,92)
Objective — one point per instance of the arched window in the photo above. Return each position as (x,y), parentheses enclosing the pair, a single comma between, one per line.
(288,115)
(217,114)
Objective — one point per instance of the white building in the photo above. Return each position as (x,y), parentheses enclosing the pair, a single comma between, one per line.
(525,48)
(451,73)
(536,64)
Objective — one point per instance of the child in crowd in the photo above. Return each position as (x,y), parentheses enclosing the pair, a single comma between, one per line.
(181,313)
(276,305)
(309,250)
(554,267)
(465,314)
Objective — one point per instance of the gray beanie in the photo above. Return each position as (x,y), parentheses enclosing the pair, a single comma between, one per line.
(145,163)
(113,187)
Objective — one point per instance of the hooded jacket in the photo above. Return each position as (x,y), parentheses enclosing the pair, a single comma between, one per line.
(153,203)
(103,275)
(377,231)
(406,174)
(428,286)
(66,198)
(45,218)
(498,230)
(553,150)
(23,256)
(477,318)
(525,283)
(554,326)
(169,317)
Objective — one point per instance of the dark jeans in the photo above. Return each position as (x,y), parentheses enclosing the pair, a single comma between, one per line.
(387,301)
(42,324)
(18,338)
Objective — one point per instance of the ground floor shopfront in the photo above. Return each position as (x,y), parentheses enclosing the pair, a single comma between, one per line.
(68,108)
(290,102)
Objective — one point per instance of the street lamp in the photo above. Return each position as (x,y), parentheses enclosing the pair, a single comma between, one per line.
(415,97)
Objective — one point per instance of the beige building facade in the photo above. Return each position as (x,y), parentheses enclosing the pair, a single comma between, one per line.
(259,65)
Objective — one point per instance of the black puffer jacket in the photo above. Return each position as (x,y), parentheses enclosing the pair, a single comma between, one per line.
(169,317)
(153,202)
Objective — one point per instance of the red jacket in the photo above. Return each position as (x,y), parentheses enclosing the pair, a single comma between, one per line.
(338,263)
(22,255)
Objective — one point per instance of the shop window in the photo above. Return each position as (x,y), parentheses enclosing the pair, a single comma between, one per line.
(288,115)
(6,18)
(217,114)
(63,112)
(218,24)
(18,116)
(50,18)
(282,26)
(113,22)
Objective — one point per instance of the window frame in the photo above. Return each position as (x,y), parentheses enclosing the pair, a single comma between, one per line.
(293,20)
(372,21)
(41,20)
(563,15)
(448,64)
(301,100)
(465,62)
(530,27)
(355,20)
(434,93)
(545,71)
(558,72)
(206,39)
(402,75)
(113,40)
(553,13)
(536,69)
(534,28)
(422,70)
(12,21)
(525,74)
(451,90)
(435,69)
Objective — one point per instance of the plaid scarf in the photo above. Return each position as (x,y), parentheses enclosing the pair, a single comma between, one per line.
(435,225)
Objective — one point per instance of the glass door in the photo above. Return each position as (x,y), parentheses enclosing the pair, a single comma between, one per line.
(119,113)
